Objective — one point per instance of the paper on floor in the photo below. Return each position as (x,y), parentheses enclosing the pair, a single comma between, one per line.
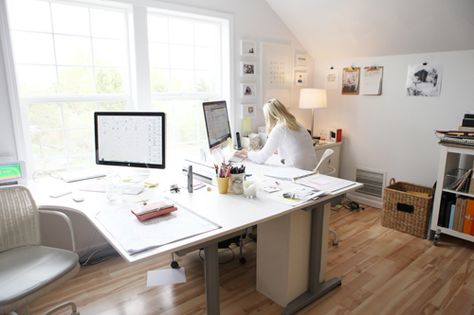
(165,276)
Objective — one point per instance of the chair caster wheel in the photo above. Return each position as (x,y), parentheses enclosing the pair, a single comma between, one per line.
(242,260)
(436,237)
(174,264)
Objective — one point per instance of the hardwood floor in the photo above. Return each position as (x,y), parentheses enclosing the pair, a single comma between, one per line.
(383,272)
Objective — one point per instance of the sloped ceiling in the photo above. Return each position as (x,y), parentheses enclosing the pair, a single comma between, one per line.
(364,28)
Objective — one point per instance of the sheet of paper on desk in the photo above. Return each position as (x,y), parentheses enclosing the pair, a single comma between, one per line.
(301,194)
(135,236)
(274,169)
(325,183)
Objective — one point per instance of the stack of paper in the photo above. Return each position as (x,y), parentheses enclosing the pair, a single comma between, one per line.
(292,194)
(135,236)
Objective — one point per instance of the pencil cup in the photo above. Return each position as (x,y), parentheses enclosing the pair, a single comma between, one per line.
(222,184)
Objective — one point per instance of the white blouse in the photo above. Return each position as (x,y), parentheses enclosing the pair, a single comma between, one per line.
(294,147)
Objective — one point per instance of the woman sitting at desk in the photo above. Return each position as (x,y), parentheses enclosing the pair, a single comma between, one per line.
(285,134)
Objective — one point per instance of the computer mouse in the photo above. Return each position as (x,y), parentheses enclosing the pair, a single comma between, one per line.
(77,197)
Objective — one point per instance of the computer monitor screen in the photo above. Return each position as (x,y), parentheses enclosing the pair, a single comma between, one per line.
(130,139)
(10,171)
(217,122)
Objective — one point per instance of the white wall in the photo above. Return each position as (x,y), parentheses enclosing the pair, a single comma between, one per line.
(7,137)
(394,132)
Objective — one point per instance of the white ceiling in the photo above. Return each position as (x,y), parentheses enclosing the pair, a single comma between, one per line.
(364,28)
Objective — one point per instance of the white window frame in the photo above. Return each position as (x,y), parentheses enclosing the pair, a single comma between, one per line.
(140,93)
(19,104)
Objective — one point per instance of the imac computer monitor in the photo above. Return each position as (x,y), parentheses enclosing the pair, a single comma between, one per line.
(130,139)
(217,123)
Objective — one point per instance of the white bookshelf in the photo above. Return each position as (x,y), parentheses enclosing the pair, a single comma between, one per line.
(451,157)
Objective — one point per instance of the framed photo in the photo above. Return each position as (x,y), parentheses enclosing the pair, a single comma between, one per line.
(247,69)
(424,80)
(248,48)
(301,60)
(248,90)
(301,78)
(350,80)
(249,110)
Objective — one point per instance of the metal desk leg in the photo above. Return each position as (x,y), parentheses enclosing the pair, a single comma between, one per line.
(316,289)
(211,275)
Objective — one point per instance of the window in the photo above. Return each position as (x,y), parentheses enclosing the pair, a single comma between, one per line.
(187,67)
(73,58)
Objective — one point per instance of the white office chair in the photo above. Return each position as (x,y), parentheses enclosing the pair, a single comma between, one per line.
(324,168)
(28,269)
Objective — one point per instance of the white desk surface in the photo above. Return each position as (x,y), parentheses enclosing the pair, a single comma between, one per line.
(231,212)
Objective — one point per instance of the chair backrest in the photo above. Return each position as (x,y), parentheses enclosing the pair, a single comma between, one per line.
(19,218)
(326,155)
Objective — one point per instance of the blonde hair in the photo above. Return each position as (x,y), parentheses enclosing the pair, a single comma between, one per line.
(275,112)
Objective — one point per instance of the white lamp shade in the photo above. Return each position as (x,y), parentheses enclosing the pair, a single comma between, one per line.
(313,98)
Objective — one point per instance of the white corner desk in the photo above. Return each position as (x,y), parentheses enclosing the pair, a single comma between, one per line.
(291,243)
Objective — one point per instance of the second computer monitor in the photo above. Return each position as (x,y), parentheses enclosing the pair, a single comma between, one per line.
(217,123)
(134,139)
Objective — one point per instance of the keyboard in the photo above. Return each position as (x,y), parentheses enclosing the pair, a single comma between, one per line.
(124,188)
(75,176)
(201,163)
(236,159)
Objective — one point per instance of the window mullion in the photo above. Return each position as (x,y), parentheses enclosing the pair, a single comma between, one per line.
(142,62)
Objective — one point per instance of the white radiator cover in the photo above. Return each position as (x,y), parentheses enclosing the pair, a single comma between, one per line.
(372,192)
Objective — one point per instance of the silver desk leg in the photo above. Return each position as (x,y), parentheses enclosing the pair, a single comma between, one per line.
(211,275)
(316,289)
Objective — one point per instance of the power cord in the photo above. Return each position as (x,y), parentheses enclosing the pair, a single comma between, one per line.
(97,256)
(220,262)
(351,204)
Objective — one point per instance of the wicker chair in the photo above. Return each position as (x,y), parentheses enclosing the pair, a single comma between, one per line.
(28,269)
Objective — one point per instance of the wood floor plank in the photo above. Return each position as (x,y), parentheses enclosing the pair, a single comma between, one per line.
(383,271)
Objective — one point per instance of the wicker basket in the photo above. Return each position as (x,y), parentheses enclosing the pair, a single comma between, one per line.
(407,208)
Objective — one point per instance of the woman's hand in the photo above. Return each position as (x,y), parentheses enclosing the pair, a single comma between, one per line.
(241,153)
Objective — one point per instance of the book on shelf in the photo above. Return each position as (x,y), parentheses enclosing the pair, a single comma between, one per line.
(452,211)
(459,214)
(446,201)
(471,184)
(468,227)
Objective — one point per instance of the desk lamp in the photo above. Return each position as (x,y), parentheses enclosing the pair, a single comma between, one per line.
(312,98)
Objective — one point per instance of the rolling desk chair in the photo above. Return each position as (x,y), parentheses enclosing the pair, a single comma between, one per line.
(326,169)
(28,270)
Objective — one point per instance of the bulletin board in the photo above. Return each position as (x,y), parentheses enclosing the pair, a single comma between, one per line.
(277,72)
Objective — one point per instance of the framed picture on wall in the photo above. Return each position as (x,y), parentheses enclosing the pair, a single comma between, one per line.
(350,80)
(248,48)
(301,60)
(249,110)
(301,79)
(247,69)
(424,79)
(247,90)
